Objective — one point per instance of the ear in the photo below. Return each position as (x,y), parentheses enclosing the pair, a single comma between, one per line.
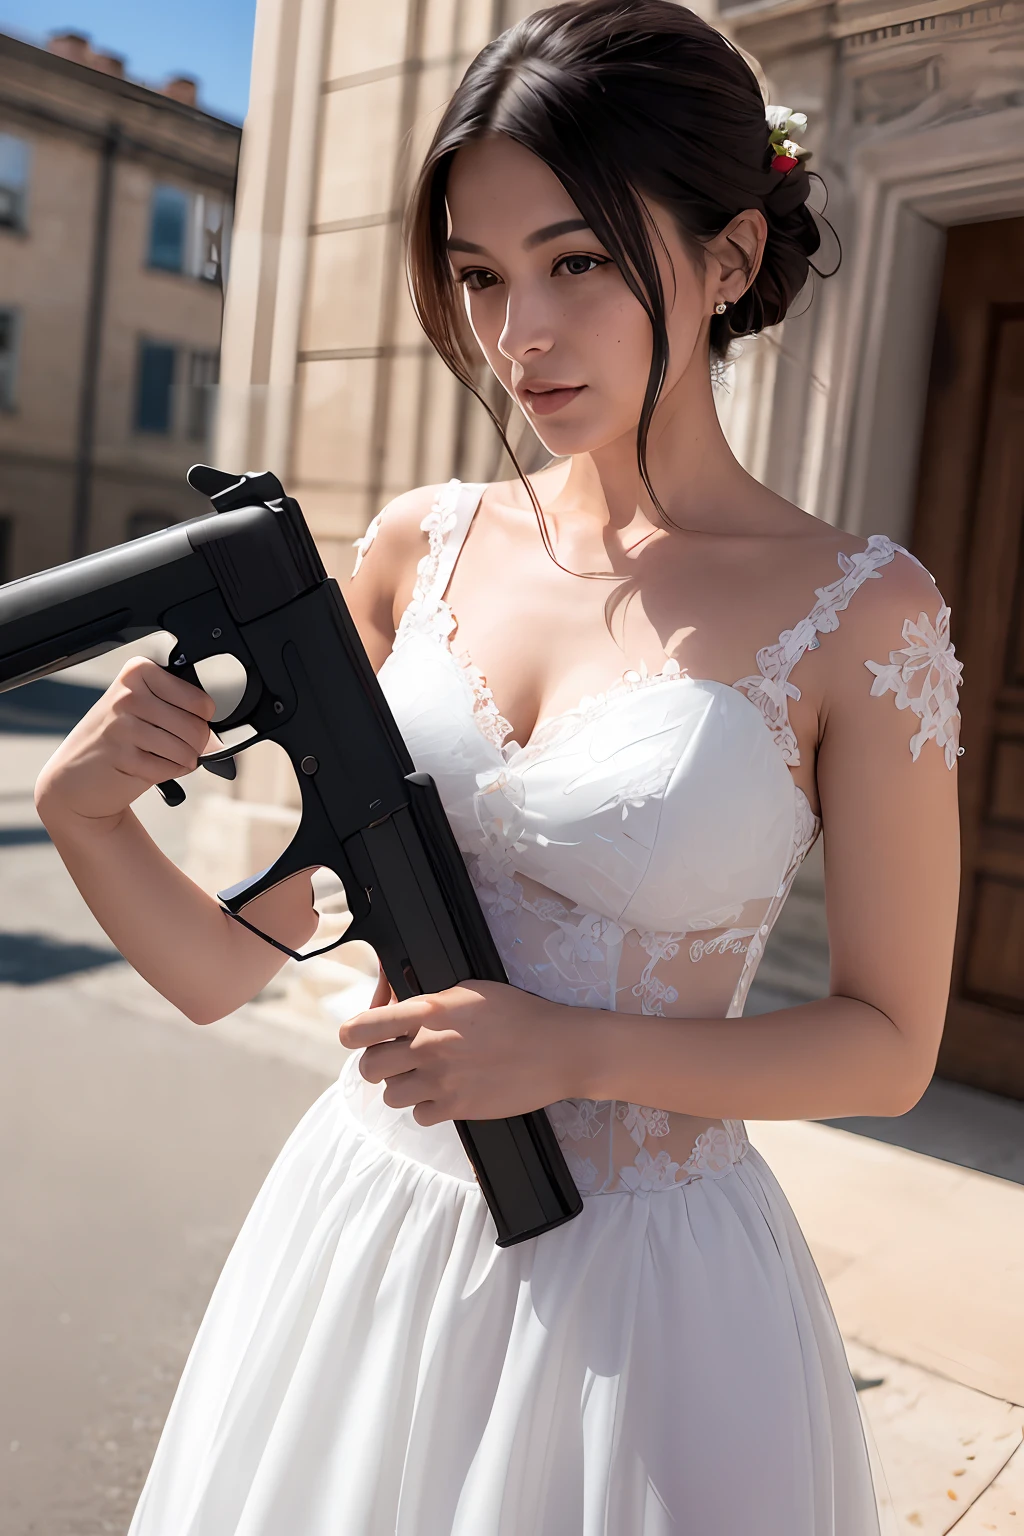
(734,256)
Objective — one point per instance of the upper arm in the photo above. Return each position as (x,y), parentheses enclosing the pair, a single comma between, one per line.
(382,581)
(887,779)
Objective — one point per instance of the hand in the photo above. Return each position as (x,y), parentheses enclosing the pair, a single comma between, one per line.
(147,727)
(478,1051)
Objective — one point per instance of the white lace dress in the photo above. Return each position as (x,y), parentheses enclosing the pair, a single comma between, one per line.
(371,1364)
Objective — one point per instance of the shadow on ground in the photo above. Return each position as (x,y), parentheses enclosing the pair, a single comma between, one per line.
(46,707)
(18,837)
(960,1124)
(27,959)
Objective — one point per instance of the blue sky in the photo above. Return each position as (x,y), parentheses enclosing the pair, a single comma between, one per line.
(210,39)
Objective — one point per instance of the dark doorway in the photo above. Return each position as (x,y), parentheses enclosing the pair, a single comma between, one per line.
(969,531)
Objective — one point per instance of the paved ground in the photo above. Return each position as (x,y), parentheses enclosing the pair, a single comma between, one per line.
(133,1143)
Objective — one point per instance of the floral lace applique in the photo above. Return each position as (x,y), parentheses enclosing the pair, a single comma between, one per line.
(732,942)
(650,989)
(770,689)
(641,1121)
(925,677)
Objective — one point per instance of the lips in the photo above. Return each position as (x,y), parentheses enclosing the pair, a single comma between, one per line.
(544,399)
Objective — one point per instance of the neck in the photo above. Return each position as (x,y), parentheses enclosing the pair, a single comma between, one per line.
(694,472)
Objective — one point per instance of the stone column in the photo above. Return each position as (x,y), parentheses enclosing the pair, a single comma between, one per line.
(325,376)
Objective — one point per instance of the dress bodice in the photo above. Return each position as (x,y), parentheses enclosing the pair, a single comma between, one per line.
(634,854)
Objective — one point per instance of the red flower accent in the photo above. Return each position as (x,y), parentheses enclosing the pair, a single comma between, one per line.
(784,163)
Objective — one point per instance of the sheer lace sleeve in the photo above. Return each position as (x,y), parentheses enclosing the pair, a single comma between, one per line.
(925,677)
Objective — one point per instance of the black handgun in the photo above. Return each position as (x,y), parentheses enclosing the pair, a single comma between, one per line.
(249,581)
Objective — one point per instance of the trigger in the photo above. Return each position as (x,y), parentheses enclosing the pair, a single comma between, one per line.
(223,767)
(178,665)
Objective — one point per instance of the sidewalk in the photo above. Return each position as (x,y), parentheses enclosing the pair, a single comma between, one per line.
(924,1265)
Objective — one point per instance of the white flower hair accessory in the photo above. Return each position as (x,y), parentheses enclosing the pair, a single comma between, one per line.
(784,125)
(925,677)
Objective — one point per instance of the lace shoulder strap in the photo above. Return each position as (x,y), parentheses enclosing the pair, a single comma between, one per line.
(446,526)
(770,688)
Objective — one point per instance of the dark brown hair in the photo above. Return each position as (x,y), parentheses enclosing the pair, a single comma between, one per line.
(623,100)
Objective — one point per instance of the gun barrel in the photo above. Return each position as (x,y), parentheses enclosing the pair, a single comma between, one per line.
(74,611)
(256,557)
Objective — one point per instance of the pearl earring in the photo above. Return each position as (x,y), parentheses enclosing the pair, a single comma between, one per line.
(720,307)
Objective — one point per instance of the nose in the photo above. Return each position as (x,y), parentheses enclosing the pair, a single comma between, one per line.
(528,331)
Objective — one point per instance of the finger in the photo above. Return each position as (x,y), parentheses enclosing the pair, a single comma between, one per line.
(428,1113)
(403,1091)
(391,1021)
(146,770)
(164,685)
(388,1059)
(191,728)
(163,744)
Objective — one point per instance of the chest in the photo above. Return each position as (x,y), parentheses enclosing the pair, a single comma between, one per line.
(544,640)
(660,803)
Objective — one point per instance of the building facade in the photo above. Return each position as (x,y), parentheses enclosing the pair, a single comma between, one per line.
(115,217)
(890,403)
(895,402)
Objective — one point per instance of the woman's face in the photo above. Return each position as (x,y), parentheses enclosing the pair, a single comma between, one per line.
(550,309)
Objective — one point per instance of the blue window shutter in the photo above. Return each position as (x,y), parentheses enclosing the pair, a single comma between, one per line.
(156,386)
(168,229)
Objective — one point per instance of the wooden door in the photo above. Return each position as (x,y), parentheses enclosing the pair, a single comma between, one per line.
(969,531)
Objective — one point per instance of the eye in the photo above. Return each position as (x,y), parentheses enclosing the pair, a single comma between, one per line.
(477,278)
(580,264)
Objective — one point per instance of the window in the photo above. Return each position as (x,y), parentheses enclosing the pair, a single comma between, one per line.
(176,391)
(154,396)
(189,232)
(202,383)
(14,157)
(168,229)
(10,333)
(141,523)
(6,540)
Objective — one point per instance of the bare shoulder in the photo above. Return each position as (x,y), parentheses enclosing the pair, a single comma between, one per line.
(889,591)
(874,583)
(396,534)
(384,573)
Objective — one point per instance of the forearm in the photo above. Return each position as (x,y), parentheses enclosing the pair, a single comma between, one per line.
(167,928)
(818,1061)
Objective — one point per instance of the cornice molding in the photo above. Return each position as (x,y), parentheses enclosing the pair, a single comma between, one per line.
(923,17)
(864,22)
(26,56)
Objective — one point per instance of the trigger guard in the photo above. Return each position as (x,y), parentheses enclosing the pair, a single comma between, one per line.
(179,665)
(245,706)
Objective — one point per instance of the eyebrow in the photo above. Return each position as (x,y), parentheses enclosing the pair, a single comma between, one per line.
(539,237)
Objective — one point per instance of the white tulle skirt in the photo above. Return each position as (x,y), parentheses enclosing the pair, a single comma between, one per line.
(372,1365)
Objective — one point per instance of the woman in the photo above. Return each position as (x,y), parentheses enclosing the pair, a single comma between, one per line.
(635,765)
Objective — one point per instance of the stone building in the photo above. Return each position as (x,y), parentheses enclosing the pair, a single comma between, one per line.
(893,403)
(115,215)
